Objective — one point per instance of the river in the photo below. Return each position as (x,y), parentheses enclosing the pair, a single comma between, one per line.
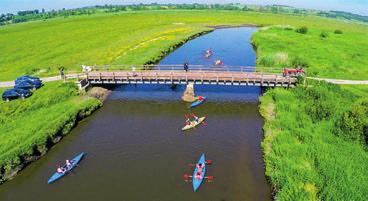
(136,150)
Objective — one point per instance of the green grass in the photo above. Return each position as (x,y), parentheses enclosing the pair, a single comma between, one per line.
(26,125)
(359,90)
(304,158)
(41,47)
(343,56)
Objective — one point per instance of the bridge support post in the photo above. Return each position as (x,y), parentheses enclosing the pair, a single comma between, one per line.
(188,95)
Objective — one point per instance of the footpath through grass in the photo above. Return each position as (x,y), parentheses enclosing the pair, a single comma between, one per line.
(315,145)
(41,47)
(27,125)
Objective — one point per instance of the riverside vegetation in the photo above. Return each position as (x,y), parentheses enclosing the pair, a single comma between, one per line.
(29,127)
(306,155)
(316,140)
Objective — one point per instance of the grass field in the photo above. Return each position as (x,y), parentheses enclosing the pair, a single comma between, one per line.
(343,56)
(41,47)
(26,125)
(304,157)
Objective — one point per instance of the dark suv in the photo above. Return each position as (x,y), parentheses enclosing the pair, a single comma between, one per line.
(28,82)
(28,78)
(15,93)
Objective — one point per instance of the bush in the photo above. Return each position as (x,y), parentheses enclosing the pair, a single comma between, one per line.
(266,61)
(323,34)
(299,61)
(338,31)
(302,30)
(353,124)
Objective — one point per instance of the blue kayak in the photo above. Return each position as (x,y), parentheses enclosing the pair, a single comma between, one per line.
(74,162)
(197,102)
(198,181)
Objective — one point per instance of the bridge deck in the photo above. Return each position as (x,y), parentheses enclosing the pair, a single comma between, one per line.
(193,76)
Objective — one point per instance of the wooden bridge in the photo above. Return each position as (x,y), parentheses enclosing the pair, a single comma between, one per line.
(175,74)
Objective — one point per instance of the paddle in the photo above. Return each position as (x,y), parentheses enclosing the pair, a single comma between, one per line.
(208,162)
(187,177)
(209,178)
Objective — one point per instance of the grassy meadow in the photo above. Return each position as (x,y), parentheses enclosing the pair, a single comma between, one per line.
(42,47)
(27,125)
(310,154)
(343,56)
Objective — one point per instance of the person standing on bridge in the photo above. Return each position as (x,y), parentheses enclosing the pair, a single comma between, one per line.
(186,66)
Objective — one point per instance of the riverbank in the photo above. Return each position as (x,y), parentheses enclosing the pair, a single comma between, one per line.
(314,145)
(30,127)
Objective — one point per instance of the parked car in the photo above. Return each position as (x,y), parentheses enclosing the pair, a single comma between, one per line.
(27,77)
(15,93)
(28,84)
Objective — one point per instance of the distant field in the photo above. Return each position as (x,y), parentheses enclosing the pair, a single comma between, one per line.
(41,47)
(343,56)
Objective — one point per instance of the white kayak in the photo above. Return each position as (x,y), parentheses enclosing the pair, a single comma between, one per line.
(193,124)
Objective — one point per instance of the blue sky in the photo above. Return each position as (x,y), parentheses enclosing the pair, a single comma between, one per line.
(355,6)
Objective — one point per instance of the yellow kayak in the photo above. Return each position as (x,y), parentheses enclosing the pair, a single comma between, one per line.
(193,124)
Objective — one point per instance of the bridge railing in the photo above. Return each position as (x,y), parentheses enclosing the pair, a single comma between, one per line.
(218,68)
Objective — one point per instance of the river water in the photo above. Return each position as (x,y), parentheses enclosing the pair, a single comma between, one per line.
(136,150)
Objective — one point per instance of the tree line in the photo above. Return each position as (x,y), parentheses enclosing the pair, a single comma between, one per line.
(29,15)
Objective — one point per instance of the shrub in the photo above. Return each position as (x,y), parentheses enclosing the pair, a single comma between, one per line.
(338,31)
(302,30)
(323,34)
(266,61)
(353,124)
(299,61)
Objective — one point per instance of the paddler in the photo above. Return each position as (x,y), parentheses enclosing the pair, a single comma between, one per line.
(198,175)
(200,167)
(200,98)
(68,163)
(60,170)
(218,62)
(208,53)
(195,117)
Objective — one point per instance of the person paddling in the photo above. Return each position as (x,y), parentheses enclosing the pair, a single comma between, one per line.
(68,163)
(218,62)
(200,98)
(200,167)
(60,170)
(198,175)
(195,117)
(208,53)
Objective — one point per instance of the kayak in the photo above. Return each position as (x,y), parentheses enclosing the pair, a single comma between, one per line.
(195,181)
(193,124)
(74,162)
(197,102)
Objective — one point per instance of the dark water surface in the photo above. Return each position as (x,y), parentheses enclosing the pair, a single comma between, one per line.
(136,150)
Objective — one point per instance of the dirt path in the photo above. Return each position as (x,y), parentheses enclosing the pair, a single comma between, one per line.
(44,79)
(337,81)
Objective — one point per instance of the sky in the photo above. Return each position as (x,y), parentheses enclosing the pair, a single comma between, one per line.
(354,6)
